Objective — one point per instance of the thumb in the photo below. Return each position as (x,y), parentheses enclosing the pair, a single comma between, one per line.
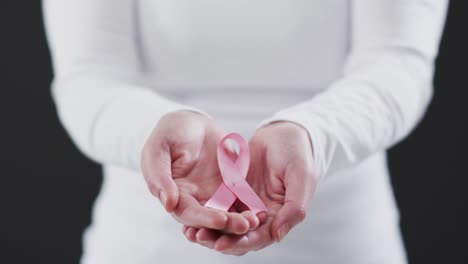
(299,188)
(157,170)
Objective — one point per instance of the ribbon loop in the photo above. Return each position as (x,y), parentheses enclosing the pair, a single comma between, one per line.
(234,185)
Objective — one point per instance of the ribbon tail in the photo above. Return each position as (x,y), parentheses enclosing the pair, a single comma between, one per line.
(247,195)
(222,199)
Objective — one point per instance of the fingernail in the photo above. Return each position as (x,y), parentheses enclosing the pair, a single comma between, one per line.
(283,231)
(163,198)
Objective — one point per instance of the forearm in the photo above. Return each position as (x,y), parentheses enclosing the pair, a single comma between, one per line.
(363,113)
(109,119)
(386,84)
(96,88)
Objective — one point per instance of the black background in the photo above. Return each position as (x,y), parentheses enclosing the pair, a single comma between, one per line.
(47,187)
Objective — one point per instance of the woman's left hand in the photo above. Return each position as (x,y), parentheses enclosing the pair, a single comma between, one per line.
(281,172)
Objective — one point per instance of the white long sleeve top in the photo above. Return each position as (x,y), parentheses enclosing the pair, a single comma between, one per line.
(357,75)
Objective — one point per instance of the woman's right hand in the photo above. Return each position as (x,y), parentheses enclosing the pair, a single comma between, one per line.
(180,168)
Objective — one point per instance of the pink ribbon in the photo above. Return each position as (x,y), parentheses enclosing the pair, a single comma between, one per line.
(234,185)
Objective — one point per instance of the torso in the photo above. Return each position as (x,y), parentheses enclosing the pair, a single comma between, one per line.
(250,57)
(241,61)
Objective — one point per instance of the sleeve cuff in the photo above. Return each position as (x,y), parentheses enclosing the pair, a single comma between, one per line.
(139,112)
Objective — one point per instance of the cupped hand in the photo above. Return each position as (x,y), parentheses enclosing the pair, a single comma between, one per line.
(282,173)
(180,169)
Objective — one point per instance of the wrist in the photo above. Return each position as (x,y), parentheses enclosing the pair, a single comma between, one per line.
(303,130)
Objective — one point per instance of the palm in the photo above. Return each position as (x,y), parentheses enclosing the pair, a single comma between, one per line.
(183,146)
(197,177)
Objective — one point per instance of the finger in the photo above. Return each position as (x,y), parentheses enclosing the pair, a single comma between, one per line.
(230,244)
(189,212)
(240,244)
(158,175)
(190,234)
(237,224)
(253,219)
(207,237)
(300,186)
(262,217)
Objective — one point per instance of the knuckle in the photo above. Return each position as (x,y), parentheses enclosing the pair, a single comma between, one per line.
(302,215)
(299,211)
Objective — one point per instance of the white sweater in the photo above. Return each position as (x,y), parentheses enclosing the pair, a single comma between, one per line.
(356,74)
